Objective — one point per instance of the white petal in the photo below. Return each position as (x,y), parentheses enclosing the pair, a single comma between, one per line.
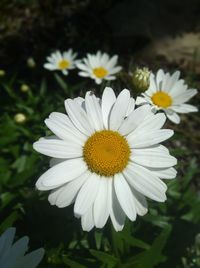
(117,215)
(93,110)
(153,158)
(87,194)
(140,101)
(112,62)
(140,202)
(101,209)
(70,190)
(174,117)
(134,119)
(184,108)
(159,77)
(173,79)
(131,106)
(115,70)
(84,74)
(64,129)
(58,148)
(52,198)
(125,196)
(61,173)
(152,85)
(87,220)
(185,96)
(145,182)
(54,161)
(50,66)
(108,99)
(169,173)
(145,139)
(119,109)
(78,117)
(151,122)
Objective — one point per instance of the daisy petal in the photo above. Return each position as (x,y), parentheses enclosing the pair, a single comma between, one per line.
(87,220)
(70,191)
(87,194)
(134,119)
(93,110)
(153,158)
(185,96)
(117,215)
(151,122)
(184,108)
(108,99)
(169,173)
(174,117)
(119,109)
(65,132)
(131,106)
(101,211)
(58,148)
(61,173)
(125,196)
(78,117)
(145,182)
(140,202)
(142,140)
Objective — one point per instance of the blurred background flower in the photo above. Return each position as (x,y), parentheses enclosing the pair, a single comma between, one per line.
(13,255)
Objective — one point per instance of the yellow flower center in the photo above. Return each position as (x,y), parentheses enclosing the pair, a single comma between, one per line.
(106,153)
(161,99)
(63,64)
(100,72)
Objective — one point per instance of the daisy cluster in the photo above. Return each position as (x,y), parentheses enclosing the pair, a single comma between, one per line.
(98,67)
(106,154)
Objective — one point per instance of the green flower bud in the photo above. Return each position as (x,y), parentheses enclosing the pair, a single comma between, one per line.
(140,78)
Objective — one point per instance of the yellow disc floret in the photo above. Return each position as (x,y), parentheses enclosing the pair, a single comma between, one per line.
(106,153)
(161,99)
(100,72)
(63,64)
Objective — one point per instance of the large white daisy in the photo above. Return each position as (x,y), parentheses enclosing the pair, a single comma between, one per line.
(106,158)
(12,255)
(168,93)
(99,67)
(61,61)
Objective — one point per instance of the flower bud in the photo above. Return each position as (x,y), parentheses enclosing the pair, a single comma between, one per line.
(140,78)
(20,118)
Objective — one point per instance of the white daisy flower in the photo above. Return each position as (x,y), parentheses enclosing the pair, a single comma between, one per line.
(61,61)
(12,255)
(106,158)
(99,67)
(168,93)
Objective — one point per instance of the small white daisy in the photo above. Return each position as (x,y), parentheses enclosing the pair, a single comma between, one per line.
(12,255)
(168,93)
(61,61)
(106,158)
(99,67)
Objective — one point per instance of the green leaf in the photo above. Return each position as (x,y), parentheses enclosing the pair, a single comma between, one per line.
(104,257)
(9,221)
(73,264)
(150,258)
